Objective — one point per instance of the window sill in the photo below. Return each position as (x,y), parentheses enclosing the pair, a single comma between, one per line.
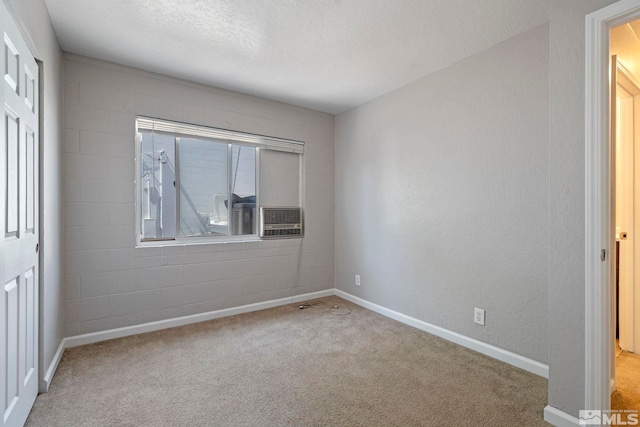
(195,241)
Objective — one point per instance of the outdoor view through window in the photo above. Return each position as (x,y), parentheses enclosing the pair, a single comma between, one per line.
(196,187)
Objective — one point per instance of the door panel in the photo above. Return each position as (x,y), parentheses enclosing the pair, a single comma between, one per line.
(11,342)
(12,206)
(12,65)
(30,313)
(19,222)
(29,180)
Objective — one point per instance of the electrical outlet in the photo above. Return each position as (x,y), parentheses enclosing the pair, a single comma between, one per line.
(478,316)
(357,280)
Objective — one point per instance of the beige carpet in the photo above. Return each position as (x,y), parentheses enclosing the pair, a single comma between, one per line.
(627,394)
(286,366)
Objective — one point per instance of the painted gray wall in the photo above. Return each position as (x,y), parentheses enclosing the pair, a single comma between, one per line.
(109,283)
(33,19)
(566,202)
(442,198)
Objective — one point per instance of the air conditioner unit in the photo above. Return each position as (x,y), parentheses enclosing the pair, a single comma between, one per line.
(280,222)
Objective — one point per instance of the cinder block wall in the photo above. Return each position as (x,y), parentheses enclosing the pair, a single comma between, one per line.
(109,283)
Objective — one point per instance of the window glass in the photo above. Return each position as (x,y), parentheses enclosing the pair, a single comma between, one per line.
(157,181)
(203,188)
(243,189)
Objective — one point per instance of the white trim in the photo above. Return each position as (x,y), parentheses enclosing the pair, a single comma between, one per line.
(186,320)
(558,418)
(191,130)
(48,376)
(481,347)
(597,199)
(24,31)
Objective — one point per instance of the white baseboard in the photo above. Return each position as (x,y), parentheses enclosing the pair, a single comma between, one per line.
(481,347)
(559,418)
(48,376)
(186,320)
(313,295)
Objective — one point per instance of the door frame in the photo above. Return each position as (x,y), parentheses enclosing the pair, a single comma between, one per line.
(598,313)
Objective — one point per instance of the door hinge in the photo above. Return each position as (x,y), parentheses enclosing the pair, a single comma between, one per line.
(603,255)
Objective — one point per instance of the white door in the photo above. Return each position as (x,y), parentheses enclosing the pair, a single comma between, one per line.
(19,225)
(628,206)
(625,205)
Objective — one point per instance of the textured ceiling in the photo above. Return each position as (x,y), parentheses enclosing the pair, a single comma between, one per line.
(328,55)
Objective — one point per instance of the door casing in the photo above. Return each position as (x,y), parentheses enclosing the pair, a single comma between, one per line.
(598,209)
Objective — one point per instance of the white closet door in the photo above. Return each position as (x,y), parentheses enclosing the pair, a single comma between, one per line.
(19,224)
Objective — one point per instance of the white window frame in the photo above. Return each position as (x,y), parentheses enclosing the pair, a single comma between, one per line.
(185,130)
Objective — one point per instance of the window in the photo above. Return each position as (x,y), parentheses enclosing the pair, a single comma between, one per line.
(196,181)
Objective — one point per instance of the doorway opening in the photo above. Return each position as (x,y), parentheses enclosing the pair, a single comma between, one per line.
(600,266)
(624,48)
